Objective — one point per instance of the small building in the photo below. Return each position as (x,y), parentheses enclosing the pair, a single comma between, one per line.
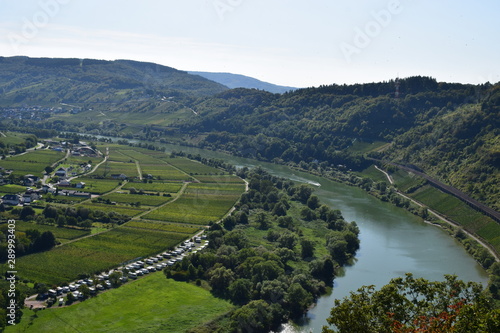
(30,180)
(61,172)
(64,183)
(30,195)
(81,194)
(87,151)
(12,199)
(77,194)
(48,189)
(80,185)
(120,176)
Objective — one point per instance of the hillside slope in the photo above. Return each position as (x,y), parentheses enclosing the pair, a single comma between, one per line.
(242,81)
(26,80)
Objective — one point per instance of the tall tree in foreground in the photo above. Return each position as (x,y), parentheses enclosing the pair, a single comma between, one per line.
(416,305)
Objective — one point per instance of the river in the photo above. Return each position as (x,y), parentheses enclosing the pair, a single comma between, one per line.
(393,241)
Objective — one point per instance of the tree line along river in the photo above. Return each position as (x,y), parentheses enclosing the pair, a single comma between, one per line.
(393,241)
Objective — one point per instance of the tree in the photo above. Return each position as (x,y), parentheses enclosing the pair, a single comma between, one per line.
(267,270)
(287,239)
(298,299)
(307,248)
(416,305)
(279,209)
(114,278)
(27,213)
(48,169)
(45,242)
(302,193)
(85,290)
(254,317)
(240,291)
(50,212)
(220,279)
(241,218)
(313,202)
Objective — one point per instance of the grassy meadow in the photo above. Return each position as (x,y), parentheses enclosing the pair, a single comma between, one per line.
(150,304)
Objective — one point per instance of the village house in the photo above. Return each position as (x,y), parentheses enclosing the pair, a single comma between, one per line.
(72,193)
(61,172)
(12,199)
(30,180)
(30,195)
(120,176)
(80,185)
(48,189)
(64,183)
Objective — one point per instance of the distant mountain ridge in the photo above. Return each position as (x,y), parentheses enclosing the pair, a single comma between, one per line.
(241,81)
(52,80)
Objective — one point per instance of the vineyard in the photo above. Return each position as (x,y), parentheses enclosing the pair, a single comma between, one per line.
(172,204)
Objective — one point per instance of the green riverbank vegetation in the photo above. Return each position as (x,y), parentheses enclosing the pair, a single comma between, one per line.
(273,256)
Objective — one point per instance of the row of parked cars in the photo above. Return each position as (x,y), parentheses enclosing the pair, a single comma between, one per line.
(130,271)
(73,288)
(163,260)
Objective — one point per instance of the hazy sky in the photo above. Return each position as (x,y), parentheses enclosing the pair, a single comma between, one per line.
(289,42)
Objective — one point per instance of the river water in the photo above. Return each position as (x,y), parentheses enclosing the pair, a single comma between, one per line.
(393,241)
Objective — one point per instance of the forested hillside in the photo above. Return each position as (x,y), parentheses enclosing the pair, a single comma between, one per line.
(450,131)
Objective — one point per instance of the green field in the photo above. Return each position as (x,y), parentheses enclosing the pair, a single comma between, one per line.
(63,199)
(164,171)
(145,200)
(405,180)
(224,179)
(108,168)
(374,174)
(360,146)
(12,138)
(154,187)
(197,207)
(99,186)
(83,159)
(126,210)
(136,154)
(163,226)
(150,304)
(215,189)
(191,167)
(117,156)
(61,234)
(94,254)
(33,162)
(12,189)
